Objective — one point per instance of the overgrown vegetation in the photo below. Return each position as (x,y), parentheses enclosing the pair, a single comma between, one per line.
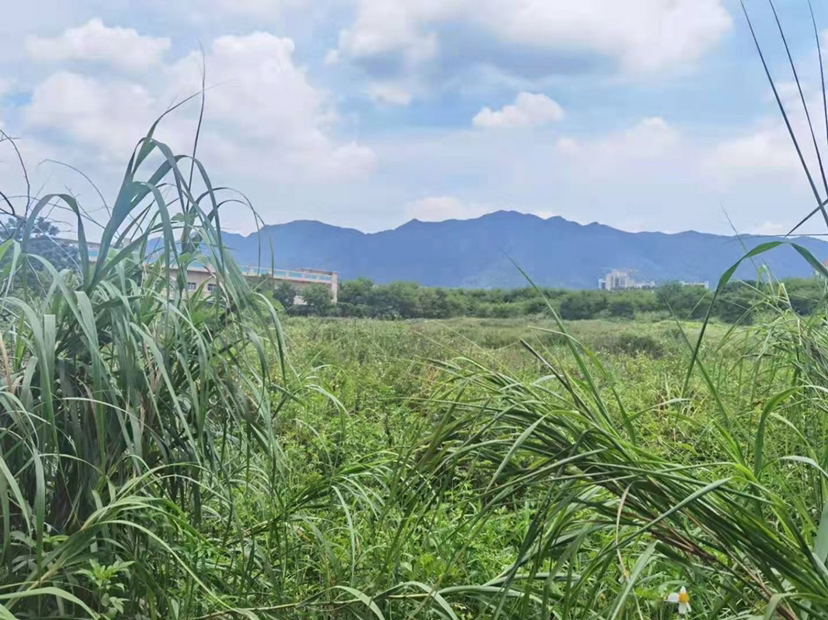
(164,454)
(169,455)
(737,302)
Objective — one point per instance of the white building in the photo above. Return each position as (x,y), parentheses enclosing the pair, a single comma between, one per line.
(622,280)
(202,276)
(199,275)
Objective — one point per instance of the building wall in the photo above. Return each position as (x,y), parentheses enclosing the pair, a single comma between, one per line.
(196,277)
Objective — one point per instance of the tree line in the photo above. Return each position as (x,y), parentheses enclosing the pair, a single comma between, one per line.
(737,302)
(361,297)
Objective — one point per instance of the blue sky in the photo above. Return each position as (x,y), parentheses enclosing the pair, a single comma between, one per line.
(643,114)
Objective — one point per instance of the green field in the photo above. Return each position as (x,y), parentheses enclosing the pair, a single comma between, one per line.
(168,454)
(240,449)
(584,482)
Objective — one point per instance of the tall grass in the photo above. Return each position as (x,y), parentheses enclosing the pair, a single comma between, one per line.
(618,522)
(122,394)
(740,523)
(162,456)
(144,471)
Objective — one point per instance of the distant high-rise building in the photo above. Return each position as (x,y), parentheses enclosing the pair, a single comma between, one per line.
(622,280)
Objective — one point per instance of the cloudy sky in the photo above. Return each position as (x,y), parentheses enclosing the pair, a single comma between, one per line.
(641,114)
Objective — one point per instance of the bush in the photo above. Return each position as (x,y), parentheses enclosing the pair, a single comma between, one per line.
(582,305)
(622,307)
(635,344)
(317,298)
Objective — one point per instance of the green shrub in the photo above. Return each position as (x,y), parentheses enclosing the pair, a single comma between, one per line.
(622,307)
(634,344)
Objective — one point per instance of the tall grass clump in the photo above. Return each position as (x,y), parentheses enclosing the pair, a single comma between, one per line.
(122,396)
(628,506)
(722,489)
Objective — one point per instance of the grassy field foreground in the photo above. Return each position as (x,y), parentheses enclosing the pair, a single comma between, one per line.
(532,474)
(165,454)
(468,468)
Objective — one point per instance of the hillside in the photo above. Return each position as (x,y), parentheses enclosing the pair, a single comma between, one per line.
(478,253)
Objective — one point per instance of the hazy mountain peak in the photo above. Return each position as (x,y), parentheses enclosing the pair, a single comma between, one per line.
(479,252)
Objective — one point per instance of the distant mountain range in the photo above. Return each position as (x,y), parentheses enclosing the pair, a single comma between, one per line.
(479,253)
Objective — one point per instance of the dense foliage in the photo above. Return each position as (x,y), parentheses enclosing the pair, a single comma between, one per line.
(39,237)
(361,298)
(168,454)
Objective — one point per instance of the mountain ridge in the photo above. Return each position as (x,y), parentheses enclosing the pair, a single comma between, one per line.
(483,252)
(482,217)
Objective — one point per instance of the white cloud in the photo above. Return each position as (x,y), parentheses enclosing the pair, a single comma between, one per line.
(262,98)
(384,26)
(758,153)
(651,138)
(399,37)
(254,86)
(528,110)
(263,117)
(437,208)
(332,57)
(646,35)
(763,149)
(109,116)
(122,48)
(393,93)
